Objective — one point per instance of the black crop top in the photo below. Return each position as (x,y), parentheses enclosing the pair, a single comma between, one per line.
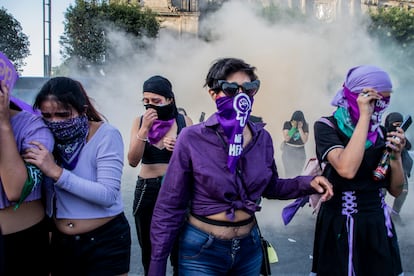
(154,155)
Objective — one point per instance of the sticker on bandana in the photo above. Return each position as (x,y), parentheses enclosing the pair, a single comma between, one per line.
(242,105)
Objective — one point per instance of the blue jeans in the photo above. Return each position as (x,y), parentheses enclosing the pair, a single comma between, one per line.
(202,254)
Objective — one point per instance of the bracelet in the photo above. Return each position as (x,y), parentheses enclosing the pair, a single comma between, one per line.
(392,157)
(142,139)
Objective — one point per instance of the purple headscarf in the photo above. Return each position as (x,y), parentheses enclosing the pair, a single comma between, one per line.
(358,78)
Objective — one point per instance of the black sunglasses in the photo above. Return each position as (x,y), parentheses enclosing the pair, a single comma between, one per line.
(231,89)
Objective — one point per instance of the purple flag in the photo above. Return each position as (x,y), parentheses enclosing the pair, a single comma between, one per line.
(9,74)
(290,210)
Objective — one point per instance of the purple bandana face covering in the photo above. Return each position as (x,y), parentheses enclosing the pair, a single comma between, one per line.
(70,136)
(379,109)
(232,114)
(158,130)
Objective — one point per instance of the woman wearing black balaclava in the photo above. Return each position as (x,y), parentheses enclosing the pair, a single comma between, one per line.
(152,142)
(392,121)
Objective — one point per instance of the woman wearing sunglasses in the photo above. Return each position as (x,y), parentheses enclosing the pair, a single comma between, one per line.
(217,175)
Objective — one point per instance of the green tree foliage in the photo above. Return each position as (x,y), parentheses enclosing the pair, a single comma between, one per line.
(394,27)
(393,23)
(14,43)
(87,23)
(83,40)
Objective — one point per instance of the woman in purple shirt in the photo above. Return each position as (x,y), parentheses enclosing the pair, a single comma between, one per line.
(23,222)
(217,175)
(92,234)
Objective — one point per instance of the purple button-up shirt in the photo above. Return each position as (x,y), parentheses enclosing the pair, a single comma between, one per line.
(198,172)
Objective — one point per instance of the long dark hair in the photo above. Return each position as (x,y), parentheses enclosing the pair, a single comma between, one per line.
(70,93)
(298,116)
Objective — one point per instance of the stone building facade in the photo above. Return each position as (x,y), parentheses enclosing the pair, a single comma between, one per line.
(180,16)
(183,16)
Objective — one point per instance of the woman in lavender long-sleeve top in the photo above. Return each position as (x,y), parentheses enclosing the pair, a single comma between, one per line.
(23,222)
(217,174)
(92,235)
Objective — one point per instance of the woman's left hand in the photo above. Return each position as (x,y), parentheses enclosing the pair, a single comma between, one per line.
(322,185)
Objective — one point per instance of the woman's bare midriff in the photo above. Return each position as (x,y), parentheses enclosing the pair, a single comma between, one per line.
(152,170)
(28,214)
(80,226)
(239,215)
(224,232)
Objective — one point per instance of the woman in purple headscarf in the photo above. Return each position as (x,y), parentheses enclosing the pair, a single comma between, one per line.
(354,233)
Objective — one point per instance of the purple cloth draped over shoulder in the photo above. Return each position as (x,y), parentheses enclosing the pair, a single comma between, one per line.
(26,128)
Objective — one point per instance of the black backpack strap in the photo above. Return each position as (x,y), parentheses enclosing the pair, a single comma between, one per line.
(180,122)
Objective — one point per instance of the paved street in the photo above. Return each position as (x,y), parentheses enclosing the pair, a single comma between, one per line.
(293,243)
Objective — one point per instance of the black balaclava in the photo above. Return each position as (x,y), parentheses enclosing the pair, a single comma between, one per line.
(392,118)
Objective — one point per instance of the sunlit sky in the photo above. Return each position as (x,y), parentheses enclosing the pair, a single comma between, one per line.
(30,15)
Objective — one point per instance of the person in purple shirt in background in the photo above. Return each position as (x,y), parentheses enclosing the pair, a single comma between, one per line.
(23,222)
(91,235)
(217,175)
